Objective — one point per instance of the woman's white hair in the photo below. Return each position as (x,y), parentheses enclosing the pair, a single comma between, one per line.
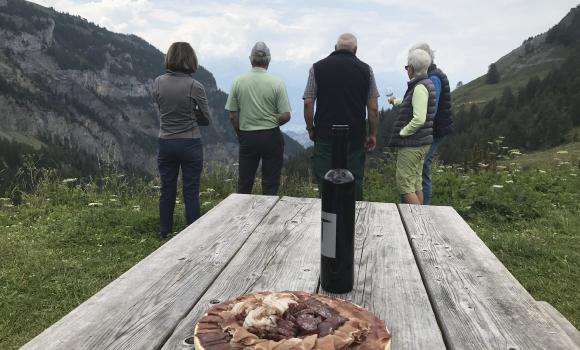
(419,60)
(425,47)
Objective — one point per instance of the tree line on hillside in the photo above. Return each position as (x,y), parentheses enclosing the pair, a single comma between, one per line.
(81,45)
(537,116)
(20,163)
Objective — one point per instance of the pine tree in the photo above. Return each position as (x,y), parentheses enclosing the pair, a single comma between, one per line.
(492,76)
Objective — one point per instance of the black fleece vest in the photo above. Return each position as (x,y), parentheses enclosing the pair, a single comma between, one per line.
(423,136)
(342,88)
(443,123)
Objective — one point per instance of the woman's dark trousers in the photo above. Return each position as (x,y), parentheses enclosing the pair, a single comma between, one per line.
(186,154)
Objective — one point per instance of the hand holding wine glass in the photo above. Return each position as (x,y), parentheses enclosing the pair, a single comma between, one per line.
(390,95)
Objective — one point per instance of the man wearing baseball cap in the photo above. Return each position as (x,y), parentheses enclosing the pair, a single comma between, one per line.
(258,105)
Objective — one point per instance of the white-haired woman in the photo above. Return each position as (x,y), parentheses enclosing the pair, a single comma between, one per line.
(443,120)
(413,129)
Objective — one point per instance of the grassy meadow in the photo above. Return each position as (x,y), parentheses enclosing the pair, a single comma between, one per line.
(68,238)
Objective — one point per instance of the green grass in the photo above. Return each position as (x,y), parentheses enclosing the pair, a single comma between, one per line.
(479,92)
(552,158)
(515,75)
(20,138)
(56,250)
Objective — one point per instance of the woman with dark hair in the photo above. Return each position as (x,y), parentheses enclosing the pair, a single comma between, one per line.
(183,107)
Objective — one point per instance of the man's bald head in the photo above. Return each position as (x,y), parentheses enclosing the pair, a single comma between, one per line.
(346,41)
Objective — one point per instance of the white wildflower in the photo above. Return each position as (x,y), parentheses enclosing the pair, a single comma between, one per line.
(177,201)
(210,190)
(490,143)
(562,152)
(95,204)
(573,174)
(315,189)
(497,186)
(8,205)
(72,179)
(112,199)
(236,164)
(205,204)
(136,208)
(501,167)
(509,181)
(541,171)
(483,165)
(228,180)
(4,199)
(439,170)
(155,187)
(501,137)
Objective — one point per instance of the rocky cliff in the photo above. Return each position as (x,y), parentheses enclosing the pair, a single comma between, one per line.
(68,82)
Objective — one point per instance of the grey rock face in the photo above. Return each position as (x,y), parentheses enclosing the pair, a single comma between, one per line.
(72,83)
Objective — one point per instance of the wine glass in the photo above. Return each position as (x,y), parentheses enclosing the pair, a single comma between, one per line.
(389,93)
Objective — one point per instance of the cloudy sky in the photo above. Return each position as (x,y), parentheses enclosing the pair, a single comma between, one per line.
(467,35)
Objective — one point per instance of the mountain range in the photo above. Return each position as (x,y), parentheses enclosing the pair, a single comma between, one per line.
(81,95)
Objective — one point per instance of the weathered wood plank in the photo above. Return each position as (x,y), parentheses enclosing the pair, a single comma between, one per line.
(478,303)
(387,280)
(283,253)
(566,326)
(140,309)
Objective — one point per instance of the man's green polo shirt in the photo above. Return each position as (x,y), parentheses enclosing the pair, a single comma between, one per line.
(260,98)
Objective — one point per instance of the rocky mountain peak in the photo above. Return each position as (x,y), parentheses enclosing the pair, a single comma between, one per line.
(75,85)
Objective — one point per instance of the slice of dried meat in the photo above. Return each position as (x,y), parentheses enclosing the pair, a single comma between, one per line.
(308,323)
(328,326)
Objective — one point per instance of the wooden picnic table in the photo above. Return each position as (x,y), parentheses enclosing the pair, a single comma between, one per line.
(419,268)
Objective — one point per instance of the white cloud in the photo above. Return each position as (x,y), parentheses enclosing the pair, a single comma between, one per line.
(467,35)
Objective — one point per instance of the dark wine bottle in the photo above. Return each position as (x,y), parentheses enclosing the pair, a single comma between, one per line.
(338,201)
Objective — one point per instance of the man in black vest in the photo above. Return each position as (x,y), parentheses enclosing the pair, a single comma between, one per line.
(344,90)
(442,122)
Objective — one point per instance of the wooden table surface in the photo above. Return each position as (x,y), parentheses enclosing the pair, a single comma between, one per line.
(420,268)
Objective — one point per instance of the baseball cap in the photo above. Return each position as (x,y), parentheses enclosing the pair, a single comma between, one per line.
(260,49)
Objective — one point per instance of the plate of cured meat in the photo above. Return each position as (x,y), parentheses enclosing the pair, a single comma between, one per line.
(290,321)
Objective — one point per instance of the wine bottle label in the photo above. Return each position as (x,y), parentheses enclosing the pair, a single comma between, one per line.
(329,235)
